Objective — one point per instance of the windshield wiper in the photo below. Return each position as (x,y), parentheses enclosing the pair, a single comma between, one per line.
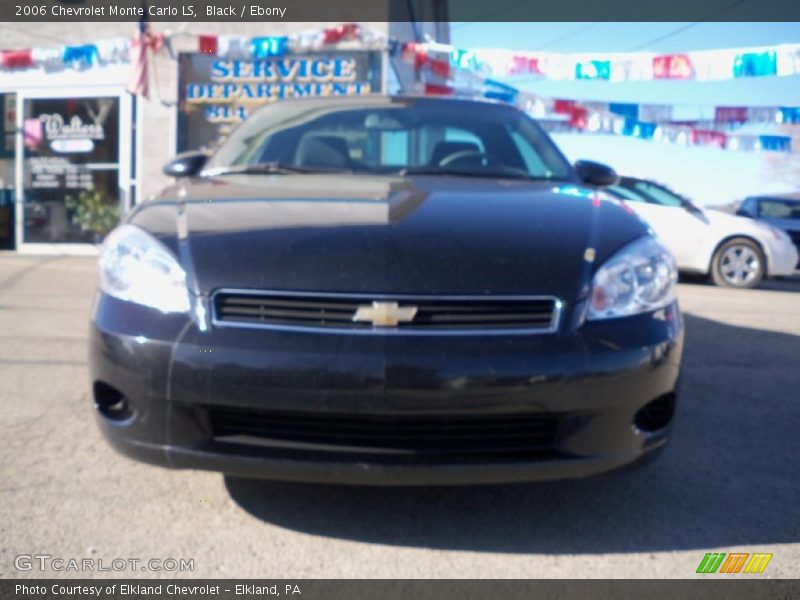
(489,174)
(267,168)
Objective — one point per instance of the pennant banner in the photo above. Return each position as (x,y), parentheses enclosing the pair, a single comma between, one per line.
(705,65)
(717,127)
(446,70)
(104,52)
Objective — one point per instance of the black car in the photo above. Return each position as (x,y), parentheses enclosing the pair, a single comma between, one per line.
(386,290)
(781,211)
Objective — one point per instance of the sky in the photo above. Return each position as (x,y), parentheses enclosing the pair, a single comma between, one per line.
(710,176)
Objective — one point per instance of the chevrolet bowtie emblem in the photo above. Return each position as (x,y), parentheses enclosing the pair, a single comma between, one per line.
(385,314)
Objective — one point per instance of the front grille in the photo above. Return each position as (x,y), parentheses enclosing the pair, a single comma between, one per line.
(390,434)
(434,313)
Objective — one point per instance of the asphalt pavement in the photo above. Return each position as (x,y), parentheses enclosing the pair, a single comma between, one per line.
(730,480)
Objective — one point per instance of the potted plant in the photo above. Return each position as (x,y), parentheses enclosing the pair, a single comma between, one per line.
(93,213)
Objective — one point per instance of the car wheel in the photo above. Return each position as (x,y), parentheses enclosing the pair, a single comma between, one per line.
(738,263)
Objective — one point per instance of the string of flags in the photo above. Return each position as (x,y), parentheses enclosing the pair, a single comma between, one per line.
(447,70)
(726,130)
(703,65)
(119,51)
(78,57)
(569,115)
(442,74)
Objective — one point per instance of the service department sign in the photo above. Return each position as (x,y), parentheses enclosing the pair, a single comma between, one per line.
(218,93)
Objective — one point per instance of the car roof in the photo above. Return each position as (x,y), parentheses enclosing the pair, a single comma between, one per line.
(792,197)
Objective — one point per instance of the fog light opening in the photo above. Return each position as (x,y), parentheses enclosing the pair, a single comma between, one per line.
(111,403)
(656,414)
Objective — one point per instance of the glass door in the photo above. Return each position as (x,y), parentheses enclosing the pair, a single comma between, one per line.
(75,168)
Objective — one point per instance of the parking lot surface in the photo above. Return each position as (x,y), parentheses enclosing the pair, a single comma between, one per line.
(730,481)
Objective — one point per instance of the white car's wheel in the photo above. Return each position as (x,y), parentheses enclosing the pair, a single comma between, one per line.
(738,263)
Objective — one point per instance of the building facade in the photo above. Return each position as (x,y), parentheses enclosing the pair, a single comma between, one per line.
(78,150)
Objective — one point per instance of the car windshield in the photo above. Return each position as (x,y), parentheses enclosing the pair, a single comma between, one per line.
(392,137)
(650,193)
(627,194)
(778,208)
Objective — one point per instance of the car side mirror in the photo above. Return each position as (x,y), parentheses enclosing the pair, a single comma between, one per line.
(595,173)
(186,164)
(743,213)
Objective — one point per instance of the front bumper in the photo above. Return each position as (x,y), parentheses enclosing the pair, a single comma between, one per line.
(594,379)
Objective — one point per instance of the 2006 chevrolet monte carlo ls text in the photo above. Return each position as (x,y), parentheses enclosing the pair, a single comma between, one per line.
(386,290)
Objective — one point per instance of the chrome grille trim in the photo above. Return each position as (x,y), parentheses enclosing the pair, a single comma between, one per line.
(320,297)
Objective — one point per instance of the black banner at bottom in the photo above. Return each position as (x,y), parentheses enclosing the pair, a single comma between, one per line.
(437,589)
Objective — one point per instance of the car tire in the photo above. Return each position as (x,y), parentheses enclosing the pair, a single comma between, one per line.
(738,263)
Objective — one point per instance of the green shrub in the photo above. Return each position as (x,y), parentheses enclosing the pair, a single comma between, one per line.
(94,213)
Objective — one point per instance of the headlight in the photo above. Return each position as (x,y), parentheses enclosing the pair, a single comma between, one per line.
(639,278)
(136,267)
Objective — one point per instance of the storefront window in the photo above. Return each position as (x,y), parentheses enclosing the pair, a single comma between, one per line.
(71,169)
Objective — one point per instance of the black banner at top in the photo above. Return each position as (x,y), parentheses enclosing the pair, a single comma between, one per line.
(398,10)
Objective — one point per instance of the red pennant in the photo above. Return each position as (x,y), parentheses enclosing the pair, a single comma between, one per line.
(415,54)
(672,66)
(341,33)
(16,59)
(730,114)
(208,44)
(525,65)
(440,68)
(579,117)
(563,107)
(434,89)
(707,137)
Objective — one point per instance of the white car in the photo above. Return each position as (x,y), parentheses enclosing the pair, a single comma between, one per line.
(735,251)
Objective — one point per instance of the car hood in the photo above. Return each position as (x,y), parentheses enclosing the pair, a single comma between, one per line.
(735,223)
(423,234)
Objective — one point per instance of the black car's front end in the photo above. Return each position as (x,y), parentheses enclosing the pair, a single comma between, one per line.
(385,409)
(386,329)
